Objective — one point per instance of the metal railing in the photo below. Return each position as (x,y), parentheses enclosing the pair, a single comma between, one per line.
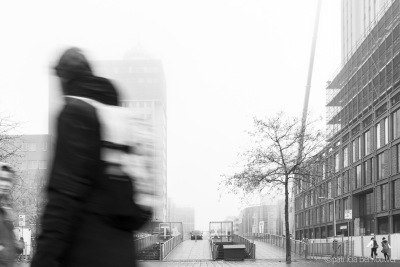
(311,248)
(250,246)
(168,246)
(145,242)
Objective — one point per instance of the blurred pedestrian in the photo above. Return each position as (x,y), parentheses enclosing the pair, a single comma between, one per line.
(335,246)
(373,245)
(20,248)
(8,240)
(386,249)
(90,214)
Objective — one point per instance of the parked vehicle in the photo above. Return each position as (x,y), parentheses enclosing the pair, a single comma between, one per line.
(196,233)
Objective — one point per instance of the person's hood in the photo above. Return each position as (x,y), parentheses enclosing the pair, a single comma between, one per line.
(78,80)
(73,64)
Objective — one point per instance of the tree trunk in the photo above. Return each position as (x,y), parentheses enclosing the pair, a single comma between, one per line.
(288,245)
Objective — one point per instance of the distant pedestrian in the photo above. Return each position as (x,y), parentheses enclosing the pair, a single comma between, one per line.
(20,248)
(386,249)
(335,246)
(373,245)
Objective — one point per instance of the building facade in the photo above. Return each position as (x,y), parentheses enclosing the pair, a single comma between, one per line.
(141,82)
(261,219)
(357,19)
(359,184)
(31,164)
(185,215)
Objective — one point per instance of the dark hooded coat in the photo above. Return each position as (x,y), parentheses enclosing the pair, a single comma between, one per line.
(89,217)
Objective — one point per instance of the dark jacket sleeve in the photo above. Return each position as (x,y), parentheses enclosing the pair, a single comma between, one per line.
(76,161)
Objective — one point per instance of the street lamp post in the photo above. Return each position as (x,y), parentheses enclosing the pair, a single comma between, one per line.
(334,214)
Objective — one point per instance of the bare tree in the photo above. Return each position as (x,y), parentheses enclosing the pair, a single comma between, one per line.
(274,160)
(8,140)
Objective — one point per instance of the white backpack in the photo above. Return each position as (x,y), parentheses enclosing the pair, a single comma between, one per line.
(120,127)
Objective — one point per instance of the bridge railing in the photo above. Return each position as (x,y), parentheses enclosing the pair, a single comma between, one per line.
(250,246)
(145,242)
(168,246)
(310,248)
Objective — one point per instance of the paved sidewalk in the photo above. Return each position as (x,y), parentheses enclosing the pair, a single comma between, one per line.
(265,263)
(266,251)
(191,250)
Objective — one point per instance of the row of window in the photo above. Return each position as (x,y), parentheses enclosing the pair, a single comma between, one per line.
(31,147)
(352,179)
(33,164)
(137,104)
(324,213)
(337,187)
(365,226)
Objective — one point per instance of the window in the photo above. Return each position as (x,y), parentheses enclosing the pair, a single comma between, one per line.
(367,142)
(345,157)
(337,167)
(386,123)
(378,135)
(357,176)
(42,164)
(33,165)
(24,147)
(329,189)
(367,166)
(331,212)
(381,167)
(339,185)
(323,171)
(32,147)
(356,147)
(346,203)
(396,194)
(382,197)
(44,147)
(396,124)
(346,182)
(312,197)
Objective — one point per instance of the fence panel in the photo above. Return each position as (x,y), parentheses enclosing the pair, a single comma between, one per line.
(250,246)
(145,242)
(168,246)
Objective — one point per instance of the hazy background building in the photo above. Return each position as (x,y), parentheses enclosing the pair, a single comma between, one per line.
(183,214)
(31,164)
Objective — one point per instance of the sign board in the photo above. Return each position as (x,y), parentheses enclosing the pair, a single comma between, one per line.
(343,227)
(21,220)
(348,214)
(164,227)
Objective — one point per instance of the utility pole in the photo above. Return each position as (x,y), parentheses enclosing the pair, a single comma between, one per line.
(309,78)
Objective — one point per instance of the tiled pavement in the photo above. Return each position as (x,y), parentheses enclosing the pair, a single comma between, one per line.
(191,250)
(260,263)
(197,254)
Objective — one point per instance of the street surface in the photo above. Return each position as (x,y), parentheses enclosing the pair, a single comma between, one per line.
(191,250)
(267,263)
